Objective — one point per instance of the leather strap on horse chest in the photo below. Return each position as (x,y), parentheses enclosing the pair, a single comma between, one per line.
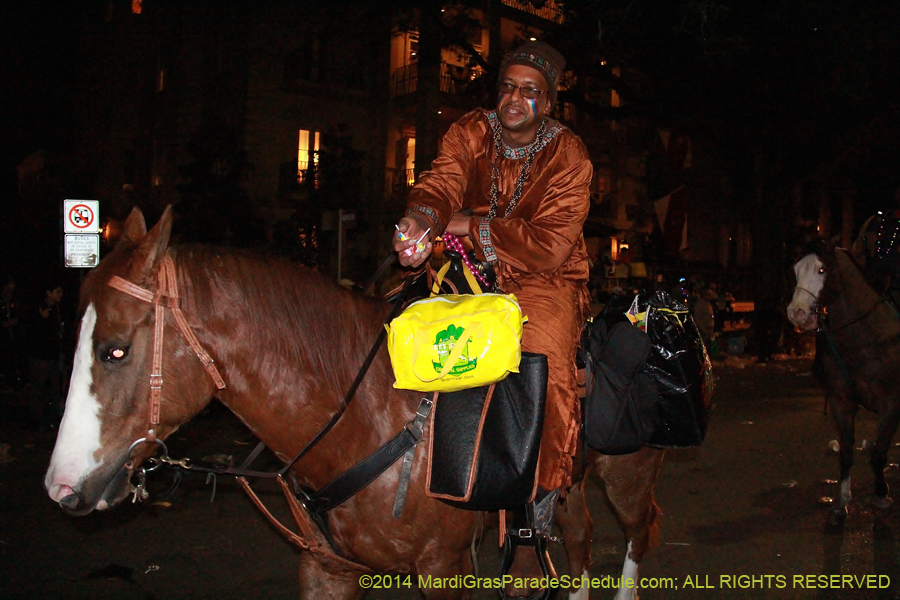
(165,297)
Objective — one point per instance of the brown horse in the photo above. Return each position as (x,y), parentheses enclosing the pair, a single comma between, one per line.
(283,343)
(859,346)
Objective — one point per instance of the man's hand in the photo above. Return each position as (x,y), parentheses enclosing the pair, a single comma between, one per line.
(459,224)
(409,232)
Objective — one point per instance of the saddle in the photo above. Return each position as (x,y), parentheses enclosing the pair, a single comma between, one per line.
(485,440)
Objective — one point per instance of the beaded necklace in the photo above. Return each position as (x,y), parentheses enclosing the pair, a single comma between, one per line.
(532,150)
(453,243)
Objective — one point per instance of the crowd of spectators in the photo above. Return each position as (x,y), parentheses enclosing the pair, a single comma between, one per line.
(37,337)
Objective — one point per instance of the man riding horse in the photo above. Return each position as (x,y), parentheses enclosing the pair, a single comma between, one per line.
(877,249)
(512,184)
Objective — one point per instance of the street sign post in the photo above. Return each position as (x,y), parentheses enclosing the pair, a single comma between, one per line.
(81,226)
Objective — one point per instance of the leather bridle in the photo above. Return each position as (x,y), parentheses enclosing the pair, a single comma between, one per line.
(165,297)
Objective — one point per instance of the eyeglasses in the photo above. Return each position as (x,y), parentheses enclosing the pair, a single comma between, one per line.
(527,92)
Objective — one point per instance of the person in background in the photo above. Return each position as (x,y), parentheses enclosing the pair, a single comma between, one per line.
(513,185)
(768,327)
(11,371)
(45,330)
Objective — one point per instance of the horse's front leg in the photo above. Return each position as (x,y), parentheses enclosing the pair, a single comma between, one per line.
(887,426)
(577,528)
(316,583)
(845,419)
(629,481)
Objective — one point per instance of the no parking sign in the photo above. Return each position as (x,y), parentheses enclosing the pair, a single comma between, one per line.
(81,225)
(81,216)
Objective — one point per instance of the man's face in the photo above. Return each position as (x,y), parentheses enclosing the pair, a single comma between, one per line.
(518,114)
(55,295)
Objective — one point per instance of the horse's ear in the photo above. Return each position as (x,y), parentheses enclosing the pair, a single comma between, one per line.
(135,228)
(152,246)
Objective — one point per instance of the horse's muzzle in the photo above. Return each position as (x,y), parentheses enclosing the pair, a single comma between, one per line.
(75,502)
(71,501)
(803,319)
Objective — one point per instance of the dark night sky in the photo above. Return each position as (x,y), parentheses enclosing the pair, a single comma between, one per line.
(37,60)
(39,78)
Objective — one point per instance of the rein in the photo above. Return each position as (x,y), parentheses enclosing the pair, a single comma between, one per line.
(856,320)
(308,513)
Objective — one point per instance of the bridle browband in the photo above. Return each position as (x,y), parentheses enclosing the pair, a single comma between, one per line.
(342,487)
(165,297)
(822,311)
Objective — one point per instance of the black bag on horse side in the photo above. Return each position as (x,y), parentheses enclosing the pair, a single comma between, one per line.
(620,403)
(485,441)
(620,400)
(680,365)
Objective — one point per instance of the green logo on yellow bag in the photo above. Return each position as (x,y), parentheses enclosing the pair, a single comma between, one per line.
(444,342)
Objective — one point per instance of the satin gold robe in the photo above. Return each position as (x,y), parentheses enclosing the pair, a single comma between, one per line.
(539,251)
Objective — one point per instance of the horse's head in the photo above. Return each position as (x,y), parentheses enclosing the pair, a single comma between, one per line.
(108,405)
(803,309)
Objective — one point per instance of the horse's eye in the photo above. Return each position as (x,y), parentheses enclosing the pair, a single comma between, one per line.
(114,354)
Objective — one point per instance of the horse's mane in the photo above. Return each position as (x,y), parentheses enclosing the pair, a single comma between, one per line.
(845,276)
(276,308)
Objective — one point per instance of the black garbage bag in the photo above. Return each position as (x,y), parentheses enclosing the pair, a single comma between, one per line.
(680,364)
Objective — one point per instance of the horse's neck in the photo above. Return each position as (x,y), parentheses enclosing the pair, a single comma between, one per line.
(856,301)
(288,366)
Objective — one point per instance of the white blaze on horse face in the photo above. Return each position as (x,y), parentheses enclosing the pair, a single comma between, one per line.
(810,281)
(79,432)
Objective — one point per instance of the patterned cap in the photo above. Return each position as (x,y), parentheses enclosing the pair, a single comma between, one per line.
(540,56)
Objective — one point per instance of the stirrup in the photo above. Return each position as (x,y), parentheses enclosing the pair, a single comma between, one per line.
(527,538)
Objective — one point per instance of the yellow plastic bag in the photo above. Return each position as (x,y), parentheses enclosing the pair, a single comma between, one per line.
(454,342)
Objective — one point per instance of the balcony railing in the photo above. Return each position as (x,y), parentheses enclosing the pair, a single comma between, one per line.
(550,11)
(398,181)
(454,80)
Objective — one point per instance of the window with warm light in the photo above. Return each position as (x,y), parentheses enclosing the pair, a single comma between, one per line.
(411,161)
(136,6)
(412,47)
(307,154)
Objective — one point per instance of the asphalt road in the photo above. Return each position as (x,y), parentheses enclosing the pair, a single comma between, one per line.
(744,515)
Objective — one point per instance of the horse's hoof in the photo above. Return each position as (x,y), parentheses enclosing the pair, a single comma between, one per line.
(838,515)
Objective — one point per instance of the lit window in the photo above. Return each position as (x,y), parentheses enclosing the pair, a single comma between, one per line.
(307,154)
(136,6)
(413,41)
(411,161)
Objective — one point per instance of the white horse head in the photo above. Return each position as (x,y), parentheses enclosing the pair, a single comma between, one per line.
(810,273)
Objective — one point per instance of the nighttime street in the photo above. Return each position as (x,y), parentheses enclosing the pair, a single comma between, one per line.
(749,502)
(217,203)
